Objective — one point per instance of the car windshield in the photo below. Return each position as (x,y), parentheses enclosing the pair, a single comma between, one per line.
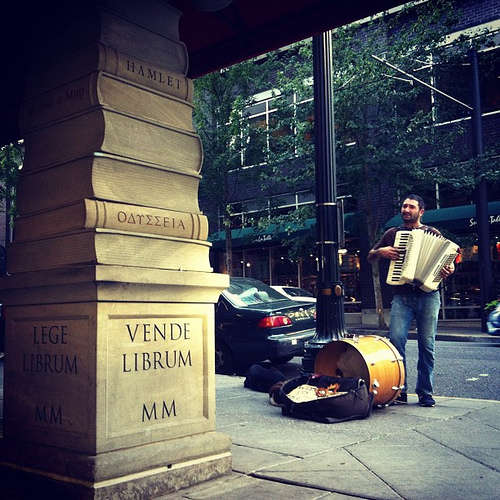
(249,292)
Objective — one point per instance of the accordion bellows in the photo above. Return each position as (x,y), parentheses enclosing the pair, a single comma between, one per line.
(422,255)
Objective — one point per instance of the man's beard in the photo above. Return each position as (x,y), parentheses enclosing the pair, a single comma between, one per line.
(409,218)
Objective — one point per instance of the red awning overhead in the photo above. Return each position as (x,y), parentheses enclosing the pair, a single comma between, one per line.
(245,28)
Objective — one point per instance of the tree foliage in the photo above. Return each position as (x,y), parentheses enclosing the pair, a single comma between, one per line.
(220,100)
(11,159)
(385,138)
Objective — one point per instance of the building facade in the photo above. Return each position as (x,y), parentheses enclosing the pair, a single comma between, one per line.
(284,255)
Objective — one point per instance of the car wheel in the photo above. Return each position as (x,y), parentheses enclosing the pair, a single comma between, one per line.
(281,361)
(224,360)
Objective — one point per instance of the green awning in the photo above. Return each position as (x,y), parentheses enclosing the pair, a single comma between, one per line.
(248,236)
(461,218)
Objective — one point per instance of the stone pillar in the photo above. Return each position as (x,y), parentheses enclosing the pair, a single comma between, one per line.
(109,382)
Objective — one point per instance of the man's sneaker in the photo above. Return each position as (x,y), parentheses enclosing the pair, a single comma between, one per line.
(402,399)
(426,400)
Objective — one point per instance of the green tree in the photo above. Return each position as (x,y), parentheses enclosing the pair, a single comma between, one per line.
(220,100)
(289,157)
(11,159)
(385,136)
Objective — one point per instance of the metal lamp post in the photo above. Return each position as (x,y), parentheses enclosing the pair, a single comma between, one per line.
(482,215)
(330,319)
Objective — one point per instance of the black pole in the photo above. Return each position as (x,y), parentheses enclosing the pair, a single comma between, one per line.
(330,319)
(482,214)
(7,216)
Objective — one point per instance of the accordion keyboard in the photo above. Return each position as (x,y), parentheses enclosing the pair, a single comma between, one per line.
(422,256)
(396,267)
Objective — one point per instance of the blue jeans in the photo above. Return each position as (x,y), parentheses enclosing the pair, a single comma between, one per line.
(424,308)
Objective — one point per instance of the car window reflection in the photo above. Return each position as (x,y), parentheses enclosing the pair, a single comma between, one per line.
(244,296)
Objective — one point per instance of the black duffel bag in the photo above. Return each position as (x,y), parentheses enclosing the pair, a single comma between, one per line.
(334,399)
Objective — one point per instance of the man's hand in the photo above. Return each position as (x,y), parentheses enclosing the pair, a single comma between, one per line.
(391,253)
(447,271)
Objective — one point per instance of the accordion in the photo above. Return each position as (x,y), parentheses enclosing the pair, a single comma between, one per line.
(422,255)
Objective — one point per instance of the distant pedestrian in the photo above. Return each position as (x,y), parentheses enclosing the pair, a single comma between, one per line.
(410,303)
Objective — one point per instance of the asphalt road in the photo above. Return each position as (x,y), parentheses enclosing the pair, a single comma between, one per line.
(464,370)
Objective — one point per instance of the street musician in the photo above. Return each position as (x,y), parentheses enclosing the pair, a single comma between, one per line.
(410,302)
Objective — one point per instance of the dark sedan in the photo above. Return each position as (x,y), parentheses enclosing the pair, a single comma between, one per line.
(254,322)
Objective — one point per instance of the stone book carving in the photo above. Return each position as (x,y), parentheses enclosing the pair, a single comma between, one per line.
(103,89)
(102,130)
(99,57)
(109,247)
(90,214)
(110,178)
(108,28)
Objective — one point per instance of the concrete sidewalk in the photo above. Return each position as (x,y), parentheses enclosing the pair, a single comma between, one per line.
(450,451)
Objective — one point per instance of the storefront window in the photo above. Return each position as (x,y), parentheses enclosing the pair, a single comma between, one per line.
(285,270)
(255,264)
(349,276)
(238,264)
(462,297)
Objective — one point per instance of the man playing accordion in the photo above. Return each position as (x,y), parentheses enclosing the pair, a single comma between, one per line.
(410,302)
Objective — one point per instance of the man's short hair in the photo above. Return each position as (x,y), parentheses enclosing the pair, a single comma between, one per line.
(418,199)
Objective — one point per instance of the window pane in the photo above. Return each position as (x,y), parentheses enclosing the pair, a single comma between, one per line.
(256,141)
(489,74)
(256,109)
(453,80)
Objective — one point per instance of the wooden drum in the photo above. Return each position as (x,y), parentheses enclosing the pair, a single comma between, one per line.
(370,357)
